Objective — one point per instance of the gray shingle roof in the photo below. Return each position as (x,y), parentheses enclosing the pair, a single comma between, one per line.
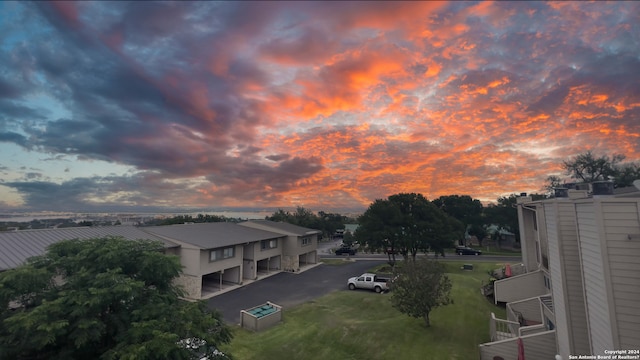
(211,235)
(17,246)
(284,227)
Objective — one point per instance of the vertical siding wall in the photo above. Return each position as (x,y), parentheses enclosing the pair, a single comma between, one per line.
(595,286)
(566,278)
(620,219)
(556,272)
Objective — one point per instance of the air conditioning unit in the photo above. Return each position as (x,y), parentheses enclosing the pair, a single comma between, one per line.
(582,186)
(602,187)
(561,192)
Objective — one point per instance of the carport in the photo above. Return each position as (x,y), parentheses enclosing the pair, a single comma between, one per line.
(309,258)
(265,266)
(220,280)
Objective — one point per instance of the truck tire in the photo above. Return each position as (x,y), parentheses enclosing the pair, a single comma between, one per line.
(378,289)
(352,287)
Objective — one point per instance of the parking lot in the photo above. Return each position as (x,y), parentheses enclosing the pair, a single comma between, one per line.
(289,289)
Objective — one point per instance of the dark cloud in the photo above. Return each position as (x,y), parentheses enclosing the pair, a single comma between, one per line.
(10,112)
(278,157)
(14,138)
(9,90)
(550,101)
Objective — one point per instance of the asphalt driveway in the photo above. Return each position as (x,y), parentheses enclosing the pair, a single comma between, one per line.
(289,289)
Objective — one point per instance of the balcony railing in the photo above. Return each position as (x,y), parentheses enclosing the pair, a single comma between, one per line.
(502,329)
(526,312)
(520,287)
(539,345)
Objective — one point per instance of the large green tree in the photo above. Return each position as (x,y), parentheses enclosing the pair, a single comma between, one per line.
(107,298)
(419,287)
(504,214)
(465,209)
(407,223)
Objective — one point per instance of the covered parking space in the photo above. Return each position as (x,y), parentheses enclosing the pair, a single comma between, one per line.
(308,258)
(220,280)
(269,265)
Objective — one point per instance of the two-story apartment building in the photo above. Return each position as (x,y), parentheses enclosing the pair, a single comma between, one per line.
(214,256)
(581,254)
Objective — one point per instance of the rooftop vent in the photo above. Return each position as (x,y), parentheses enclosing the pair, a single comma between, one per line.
(561,192)
(602,187)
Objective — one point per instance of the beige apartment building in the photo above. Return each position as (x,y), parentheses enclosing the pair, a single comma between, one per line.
(578,294)
(214,256)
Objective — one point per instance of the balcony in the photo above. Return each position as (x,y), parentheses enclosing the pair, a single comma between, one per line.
(520,287)
(502,329)
(526,319)
(540,345)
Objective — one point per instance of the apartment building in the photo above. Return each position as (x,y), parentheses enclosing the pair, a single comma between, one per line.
(578,296)
(214,256)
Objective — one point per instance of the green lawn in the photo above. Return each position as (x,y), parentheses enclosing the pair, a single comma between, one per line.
(493,250)
(363,325)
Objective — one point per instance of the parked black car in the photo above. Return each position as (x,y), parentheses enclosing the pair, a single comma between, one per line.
(345,250)
(465,250)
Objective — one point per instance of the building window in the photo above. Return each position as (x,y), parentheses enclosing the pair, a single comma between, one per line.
(221,254)
(268,244)
(306,241)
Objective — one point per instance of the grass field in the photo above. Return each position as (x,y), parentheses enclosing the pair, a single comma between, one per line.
(363,325)
(493,250)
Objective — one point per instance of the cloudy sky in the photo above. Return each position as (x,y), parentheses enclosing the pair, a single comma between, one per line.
(325,105)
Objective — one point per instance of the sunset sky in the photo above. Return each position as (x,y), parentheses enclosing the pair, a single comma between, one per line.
(326,105)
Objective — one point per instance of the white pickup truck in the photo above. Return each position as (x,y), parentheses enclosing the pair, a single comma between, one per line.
(368,281)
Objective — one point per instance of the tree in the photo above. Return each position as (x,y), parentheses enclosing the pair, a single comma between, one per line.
(504,214)
(378,227)
(348,238)
(479,231)
(588,167)
(627,174)
(107,298)
(419,287)
(406,223)
(553,182)
(462,207)
(326,222)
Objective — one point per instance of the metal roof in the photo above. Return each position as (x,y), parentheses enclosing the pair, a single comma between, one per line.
(17,246)
(211,235)
(284,227)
